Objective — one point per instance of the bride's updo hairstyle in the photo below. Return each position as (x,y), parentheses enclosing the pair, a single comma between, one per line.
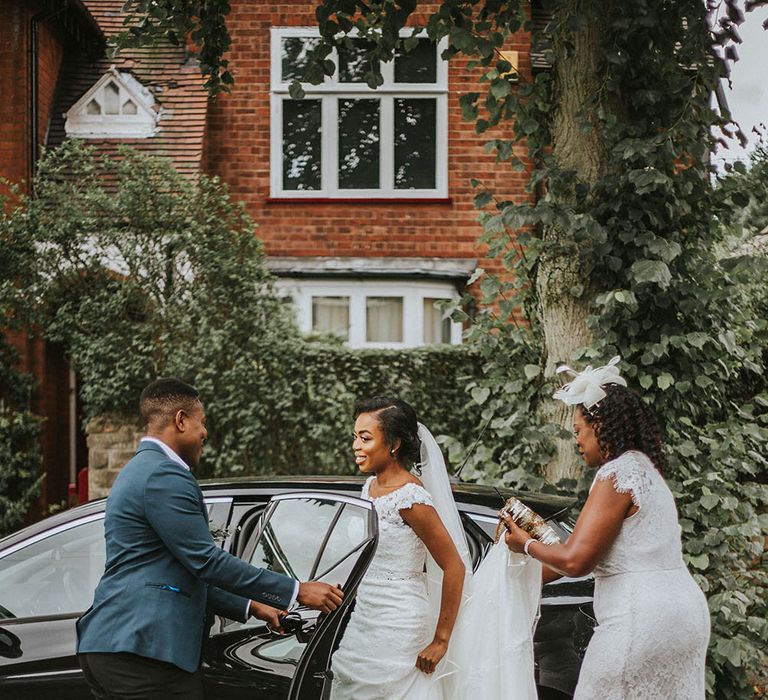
(398,421)
(623,422)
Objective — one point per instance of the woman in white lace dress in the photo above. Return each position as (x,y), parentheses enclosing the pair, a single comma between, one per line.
(653,621)
(392,643)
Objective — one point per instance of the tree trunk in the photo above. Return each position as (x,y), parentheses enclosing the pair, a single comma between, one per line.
(563,313)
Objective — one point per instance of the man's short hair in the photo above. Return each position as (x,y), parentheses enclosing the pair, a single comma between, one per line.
(162,399)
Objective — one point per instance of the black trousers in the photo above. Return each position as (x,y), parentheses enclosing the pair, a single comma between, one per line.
(123,676)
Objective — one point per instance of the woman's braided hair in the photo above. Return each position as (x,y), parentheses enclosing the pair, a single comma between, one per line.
(622,422)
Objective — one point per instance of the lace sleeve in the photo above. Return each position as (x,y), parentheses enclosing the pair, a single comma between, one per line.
(409,495)
(630,474)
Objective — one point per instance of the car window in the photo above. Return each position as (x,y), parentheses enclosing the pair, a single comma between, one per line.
(309,538)
(54,575)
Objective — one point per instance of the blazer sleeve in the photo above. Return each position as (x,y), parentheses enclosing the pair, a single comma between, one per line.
(174,509)
(227,605)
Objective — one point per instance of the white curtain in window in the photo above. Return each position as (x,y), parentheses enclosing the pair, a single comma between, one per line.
(331,315)
(436,328)
(384,319)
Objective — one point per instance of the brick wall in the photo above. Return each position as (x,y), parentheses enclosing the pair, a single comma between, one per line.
(44,362)
(238,150)
(14,110)
(15,84)
(50,57)
(112,441)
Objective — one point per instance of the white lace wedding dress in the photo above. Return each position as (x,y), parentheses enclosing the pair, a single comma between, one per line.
(491,652)
(653,621)
(391,623)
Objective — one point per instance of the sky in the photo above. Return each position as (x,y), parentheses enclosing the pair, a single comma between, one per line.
(748,95)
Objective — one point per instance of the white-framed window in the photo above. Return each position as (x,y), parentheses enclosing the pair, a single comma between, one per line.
(116,106)
(374,313)
(345,140)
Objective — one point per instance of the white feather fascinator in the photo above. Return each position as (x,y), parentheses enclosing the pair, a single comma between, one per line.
(586,387)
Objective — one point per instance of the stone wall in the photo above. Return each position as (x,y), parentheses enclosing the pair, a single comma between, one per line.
(112,440)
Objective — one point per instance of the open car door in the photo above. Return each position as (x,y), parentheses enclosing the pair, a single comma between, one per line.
(310,536)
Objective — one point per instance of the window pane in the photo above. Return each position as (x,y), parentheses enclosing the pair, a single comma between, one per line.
(415,126)
(358,144)
(384,319)
(295,52)
(55,575)
(436,328)
(93,107)
(331,315)
(301,144)
(287,545)
(350,530)
(418,65)
(352,63)
(111,99)
(129,107)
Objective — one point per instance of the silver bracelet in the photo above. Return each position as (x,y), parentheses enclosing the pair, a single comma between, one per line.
(526,546)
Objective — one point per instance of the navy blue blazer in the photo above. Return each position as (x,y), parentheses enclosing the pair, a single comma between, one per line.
(164,574)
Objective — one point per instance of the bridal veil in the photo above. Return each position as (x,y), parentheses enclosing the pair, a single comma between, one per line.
(491,651)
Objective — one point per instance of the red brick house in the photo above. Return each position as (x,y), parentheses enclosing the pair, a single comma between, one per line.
(37,41)
(362,198)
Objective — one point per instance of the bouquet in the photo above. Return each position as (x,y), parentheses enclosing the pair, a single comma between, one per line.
(528,520)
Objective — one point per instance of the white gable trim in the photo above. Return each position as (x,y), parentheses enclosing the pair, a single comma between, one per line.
(132,114)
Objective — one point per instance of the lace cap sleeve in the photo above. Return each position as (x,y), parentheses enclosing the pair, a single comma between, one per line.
(409,495)
(630,473)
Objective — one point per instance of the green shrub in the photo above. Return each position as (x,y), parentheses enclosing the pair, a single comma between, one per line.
(19,465)
(19,428)
(289,409)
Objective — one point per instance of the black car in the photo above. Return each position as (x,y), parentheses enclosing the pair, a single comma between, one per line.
(310,528)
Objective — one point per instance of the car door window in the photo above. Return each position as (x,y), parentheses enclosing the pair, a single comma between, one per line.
(309,537)
(304,535)
(56,574)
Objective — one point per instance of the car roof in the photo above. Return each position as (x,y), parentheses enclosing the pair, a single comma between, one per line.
(547,505)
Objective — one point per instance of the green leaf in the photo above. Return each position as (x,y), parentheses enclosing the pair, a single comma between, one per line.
(709,502)
(476,275)
(531,371)
(664,381)
(646,381)
(651,271)
(700,562)
(480,395)
(730,649)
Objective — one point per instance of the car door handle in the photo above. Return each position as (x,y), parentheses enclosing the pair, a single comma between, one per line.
(294,624)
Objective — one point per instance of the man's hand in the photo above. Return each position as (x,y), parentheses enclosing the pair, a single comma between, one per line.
(320,596)
(269,614)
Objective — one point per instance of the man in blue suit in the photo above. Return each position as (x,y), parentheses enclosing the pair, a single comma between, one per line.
(164,576)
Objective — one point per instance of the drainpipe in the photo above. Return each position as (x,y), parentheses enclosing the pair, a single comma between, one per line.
(33,82)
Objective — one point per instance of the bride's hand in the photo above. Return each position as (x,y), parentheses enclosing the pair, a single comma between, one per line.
(515,537)
(430,656)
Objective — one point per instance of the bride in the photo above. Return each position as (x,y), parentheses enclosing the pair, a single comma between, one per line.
(400,642)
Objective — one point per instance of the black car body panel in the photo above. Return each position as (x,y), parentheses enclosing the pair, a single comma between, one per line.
(245,660)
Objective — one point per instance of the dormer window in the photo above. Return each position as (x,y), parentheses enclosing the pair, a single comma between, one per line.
(117,106)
